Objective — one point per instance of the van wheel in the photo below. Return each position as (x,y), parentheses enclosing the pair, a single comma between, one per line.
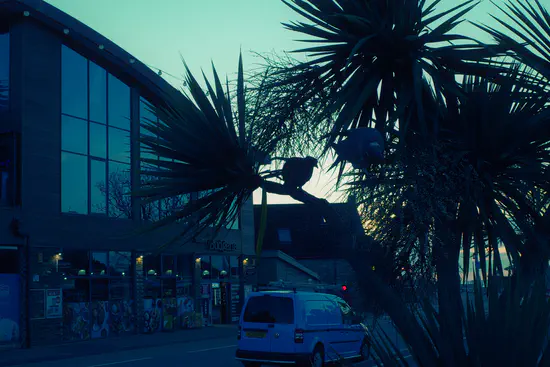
(318,357)
(365,351)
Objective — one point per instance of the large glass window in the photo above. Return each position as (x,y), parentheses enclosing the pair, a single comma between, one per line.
(98,93)
(10,168)
(119,104)
(162,208)
(74,84)
(4,69)
(95,139)
(74,183)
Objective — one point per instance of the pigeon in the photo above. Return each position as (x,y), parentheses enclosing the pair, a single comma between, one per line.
(361,147)
(296,172)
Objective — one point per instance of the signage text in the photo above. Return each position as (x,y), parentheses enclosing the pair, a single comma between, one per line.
(221,246)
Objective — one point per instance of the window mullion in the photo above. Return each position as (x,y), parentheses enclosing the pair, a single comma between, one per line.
(107,186)
(89,191)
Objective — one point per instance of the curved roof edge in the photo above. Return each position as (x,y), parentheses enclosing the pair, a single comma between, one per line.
(89,39)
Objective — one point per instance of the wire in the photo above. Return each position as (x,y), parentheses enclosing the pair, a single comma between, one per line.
(161,72)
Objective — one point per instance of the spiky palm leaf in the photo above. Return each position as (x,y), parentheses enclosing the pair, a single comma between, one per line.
(509,328)
(372,59)
(528,33)
(204,144)
(498,165)
(494,141)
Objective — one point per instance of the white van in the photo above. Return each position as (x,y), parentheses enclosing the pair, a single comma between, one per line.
(299,328)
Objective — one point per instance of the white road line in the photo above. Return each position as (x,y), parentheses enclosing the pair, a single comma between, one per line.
(121,362)
(209,349)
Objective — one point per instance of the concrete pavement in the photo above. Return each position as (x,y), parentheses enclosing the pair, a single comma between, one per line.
(206,353)
(209,347)
(115,345)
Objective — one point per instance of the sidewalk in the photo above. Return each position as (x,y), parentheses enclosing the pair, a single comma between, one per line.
(114,344)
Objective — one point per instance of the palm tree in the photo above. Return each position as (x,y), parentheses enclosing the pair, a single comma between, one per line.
(205,144)
(465,134)
(460,155)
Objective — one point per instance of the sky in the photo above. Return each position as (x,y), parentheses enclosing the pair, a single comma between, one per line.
(160,32)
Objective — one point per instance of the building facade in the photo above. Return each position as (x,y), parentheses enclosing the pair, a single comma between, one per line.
(71,264)
(303,234)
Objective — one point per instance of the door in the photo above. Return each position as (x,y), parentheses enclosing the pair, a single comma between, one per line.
(223,302)
(352,332)
(9,297)
(282,329)
(337,334)
(267,324)
(322,323)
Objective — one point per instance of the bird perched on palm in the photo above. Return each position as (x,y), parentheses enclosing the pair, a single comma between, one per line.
(360,147)
(296,172)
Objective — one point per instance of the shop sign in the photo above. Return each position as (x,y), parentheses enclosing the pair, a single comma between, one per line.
(54,304)
(221,246)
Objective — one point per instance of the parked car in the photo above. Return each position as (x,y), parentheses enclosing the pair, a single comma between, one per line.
(300,328)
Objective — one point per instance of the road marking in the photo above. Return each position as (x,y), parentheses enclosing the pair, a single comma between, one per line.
(209,349)
(122,362)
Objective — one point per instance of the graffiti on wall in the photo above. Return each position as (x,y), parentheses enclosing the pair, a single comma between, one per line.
(122,318)
(97,319)
(76,321)
(100,317)
(168,314)
(152,315)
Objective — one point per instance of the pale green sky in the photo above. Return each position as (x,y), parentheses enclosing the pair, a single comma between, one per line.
(158,31)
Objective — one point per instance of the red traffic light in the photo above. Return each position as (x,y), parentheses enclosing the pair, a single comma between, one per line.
(344,287)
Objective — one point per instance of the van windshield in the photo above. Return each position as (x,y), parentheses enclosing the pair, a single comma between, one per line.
(269,310)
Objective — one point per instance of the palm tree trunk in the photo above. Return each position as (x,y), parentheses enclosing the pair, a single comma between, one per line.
(446,255)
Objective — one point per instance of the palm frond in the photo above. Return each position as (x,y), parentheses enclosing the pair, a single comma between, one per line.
(493,318)
(492,142)
(370,61)
(526,32)
(203,146)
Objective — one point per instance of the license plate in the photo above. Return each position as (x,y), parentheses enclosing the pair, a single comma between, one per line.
(255,334)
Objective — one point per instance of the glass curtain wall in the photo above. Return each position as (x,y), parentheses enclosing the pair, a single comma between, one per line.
(95,139)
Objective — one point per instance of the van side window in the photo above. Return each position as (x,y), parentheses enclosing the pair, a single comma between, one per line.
(269,310)
(334,314)
(315,313)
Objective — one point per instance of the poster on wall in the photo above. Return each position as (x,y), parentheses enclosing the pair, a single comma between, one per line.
(247,290)
(169,314)
(152,315)
(205,307)
(54,304)
(38,304)
(9,308)
(235,310)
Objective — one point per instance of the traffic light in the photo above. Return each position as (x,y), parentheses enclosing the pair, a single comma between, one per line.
(345,293)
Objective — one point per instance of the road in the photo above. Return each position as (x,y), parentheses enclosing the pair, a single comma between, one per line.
(214,353)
